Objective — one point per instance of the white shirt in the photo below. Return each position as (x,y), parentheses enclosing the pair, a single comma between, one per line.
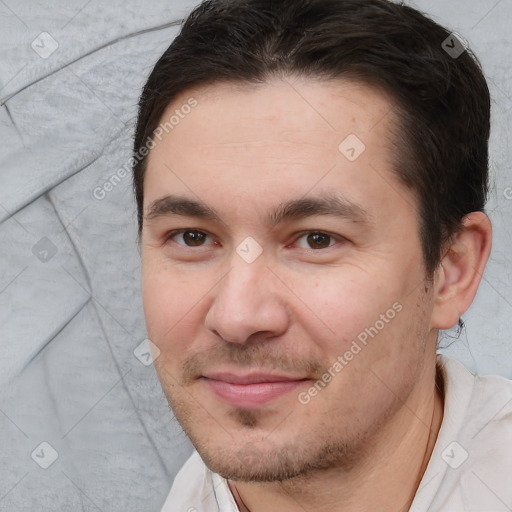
(470,469)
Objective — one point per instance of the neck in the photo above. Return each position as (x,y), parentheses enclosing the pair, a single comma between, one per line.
(386,477)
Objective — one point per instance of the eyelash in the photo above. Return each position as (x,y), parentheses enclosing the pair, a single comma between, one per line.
(168,237)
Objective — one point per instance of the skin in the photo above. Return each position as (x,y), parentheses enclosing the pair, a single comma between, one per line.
(363,442)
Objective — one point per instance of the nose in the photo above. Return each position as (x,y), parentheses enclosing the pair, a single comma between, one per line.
(249,300)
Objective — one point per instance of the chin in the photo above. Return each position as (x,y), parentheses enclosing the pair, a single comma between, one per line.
(264,461)
(249,464)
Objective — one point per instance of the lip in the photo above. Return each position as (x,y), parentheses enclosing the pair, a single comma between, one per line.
(251,390)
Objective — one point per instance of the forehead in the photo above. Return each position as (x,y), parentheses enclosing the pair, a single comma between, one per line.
(281,138)
(296,104)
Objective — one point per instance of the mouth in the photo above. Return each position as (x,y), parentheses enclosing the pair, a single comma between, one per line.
(251,390)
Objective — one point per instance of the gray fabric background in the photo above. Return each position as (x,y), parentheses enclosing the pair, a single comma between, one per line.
(70,307)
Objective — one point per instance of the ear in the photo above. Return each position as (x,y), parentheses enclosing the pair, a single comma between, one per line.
(459,274)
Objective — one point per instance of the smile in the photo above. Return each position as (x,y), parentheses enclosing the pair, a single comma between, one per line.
(251,390)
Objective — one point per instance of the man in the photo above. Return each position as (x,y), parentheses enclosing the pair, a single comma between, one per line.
(310,179)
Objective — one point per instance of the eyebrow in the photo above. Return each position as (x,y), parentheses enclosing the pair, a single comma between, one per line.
(327,204)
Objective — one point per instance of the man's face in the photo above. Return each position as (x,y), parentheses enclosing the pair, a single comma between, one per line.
(243,335)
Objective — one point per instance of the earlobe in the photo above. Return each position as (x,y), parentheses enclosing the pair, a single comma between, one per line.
(461,270)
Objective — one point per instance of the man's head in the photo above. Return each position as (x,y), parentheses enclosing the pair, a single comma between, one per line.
(327,158)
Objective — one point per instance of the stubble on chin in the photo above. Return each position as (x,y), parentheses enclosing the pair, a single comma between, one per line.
(246,417)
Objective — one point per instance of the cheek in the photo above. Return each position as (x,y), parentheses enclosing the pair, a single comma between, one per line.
(341,303)
(165,300)
(175,305)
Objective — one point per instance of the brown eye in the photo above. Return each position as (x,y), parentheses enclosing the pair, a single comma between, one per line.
(189,237)
(194,238)
(319,240)
(316,241)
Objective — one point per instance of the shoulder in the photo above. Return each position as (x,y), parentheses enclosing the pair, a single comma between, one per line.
(471,465)
(478,403)
(197,489)
(191,485)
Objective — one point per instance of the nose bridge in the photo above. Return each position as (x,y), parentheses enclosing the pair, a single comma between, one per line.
(245,302)
(245,288)
(244,276)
